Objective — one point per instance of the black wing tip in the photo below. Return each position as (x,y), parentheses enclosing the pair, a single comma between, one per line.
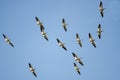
(99,25)
(73,54)
(65,29)
(64,48)
(36,18)
(79,73)
(74,64)
(63,20)
(46,38)
(58,40)
(3,35)
(29,64)
(77,35)
(89,34)
(11,44)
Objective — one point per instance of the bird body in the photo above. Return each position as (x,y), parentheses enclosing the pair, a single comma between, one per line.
(77,59)
(61,44)
(32,69)
(8,40)
(101,9)
(99,30)
(78,40)
(92,40)
(76,68)
(64,24)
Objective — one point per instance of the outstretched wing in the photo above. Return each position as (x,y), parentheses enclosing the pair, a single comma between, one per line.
(63,20)
(11,44)
(93,43)
(64,47)
(100,4)
(90,37)
(34,74)
(30,66)
(58,40)
(74,55)
(46,37)
(102,14)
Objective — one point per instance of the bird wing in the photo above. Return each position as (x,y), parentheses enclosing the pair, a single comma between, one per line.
(64,47)
(36,18)
(81,63)
(77,36)
(58,40)
(79,72)
(63,20)
(100,4)
(90,36)
(74,55)
(11,44)
(30,66)
(34,74)
(65,28)
(46,37)
(102,14)
(93,43)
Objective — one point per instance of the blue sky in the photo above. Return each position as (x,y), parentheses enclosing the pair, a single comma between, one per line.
(17,21)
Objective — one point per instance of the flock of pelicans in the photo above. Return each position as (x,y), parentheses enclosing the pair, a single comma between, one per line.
(76,58)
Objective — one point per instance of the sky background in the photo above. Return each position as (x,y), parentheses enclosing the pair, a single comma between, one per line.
(17,22)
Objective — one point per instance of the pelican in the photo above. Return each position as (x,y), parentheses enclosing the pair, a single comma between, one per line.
(76,68)
(61,44)
(64,24)
(8,40)
(44,34)
(77,59)
(99,30)
(78,40)
(101,9)
(92,40)
(32,69)
(39,23)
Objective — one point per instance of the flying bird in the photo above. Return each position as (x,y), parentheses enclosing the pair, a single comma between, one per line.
(44,34)
(32,69)
(77,59)
(101,9)
(64,24)
(99,30)
(76,68)
(8,40)
(61,44)
(39,23)
(92,40)
(78,40)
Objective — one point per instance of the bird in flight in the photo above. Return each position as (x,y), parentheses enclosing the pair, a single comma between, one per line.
(77,58)
(76,68)
(64,24)
(92,40)
(8,40)
(39,23)
(99,30)
(44,34)
(101,9)
(61,44)
(32,69)
(78,40)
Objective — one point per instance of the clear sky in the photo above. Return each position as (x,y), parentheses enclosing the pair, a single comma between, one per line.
(17,22)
